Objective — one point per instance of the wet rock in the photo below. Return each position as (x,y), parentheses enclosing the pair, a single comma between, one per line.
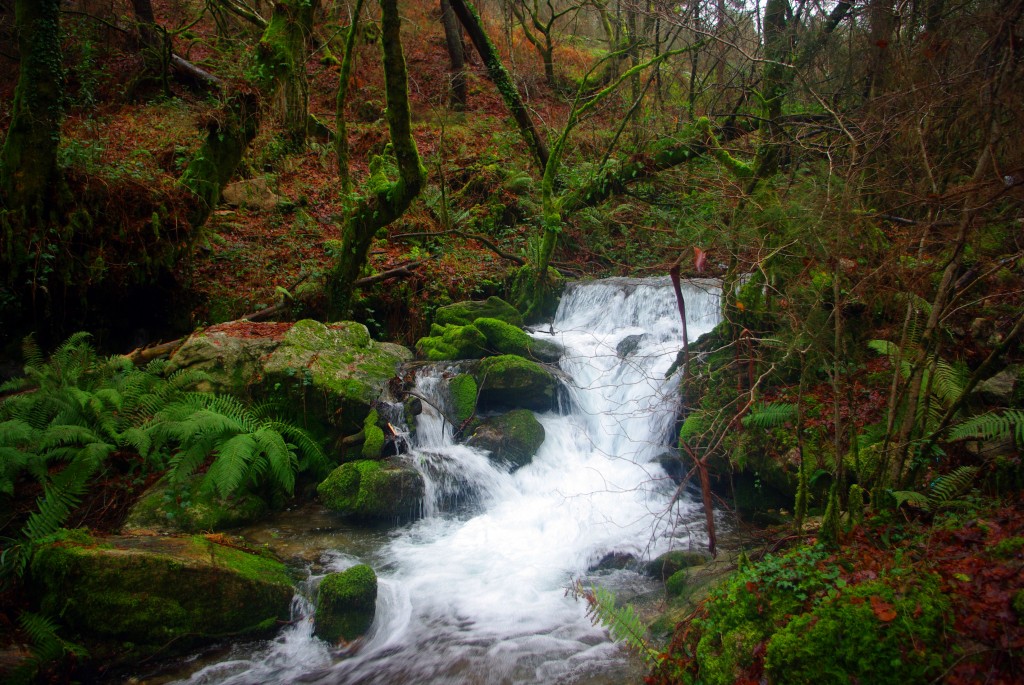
(345,604)
(670,563)
(614,561)
(125,597)
(511,438)
(389,490)
(512,381)
(462,313)
(451,342)
(628,345)
(187,508)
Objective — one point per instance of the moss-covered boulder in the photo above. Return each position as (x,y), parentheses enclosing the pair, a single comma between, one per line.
(336,371)
(345,604)
(509,380)
(373,436)
(125,597)
(462,313)
(388,490)
(511,438)
(187,508)
(668,564)
(450,342)
(504,338)
(332,371)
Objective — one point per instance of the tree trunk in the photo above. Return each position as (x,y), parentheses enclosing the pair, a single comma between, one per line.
(457,73)
(385,201)
(29,175)
(156,52)
(228,135)
(470,20)
(281,63)
(341,133)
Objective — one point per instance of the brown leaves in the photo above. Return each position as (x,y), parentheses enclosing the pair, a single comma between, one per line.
(883,611)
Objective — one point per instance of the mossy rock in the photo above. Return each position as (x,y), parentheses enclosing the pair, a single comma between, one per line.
(504,338)
(373,436)
(463,313)
(668,564)
(187,508)
(333,371)
(386,490)
(127,597)
(509,380)
(345,604)
(511,438)
(451,342)
(463,390)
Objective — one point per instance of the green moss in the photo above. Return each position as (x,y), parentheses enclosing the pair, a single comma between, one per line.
(511,381)
(513,437)
(852,637)
(154,591)
(464,313)
(346,603)
(373,490)
(677,583)
(191,509)
(452,342)
(373,436)
(463,391)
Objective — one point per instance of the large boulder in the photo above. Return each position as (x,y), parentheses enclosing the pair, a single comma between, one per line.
(511,438)
(670,563)
(345,604)
(389,490)
(462,313)
(125,597)
(188,508)
(333,371)
(509,380)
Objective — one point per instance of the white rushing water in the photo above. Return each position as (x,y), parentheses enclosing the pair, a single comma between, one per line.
(475,592)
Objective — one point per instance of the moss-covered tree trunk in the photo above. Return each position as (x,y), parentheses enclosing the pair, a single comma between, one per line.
(385,200)
(228,136)
(470,20)
(29,173)
(340,123)
(458,97)
(281,63)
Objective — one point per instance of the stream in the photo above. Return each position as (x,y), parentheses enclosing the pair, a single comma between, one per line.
(476,590)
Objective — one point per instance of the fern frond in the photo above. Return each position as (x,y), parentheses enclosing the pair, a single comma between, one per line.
(280,457)
(949,381)
(228,472)
(913,497)
(623,624)
(947,487)
(992,427)
(770,415)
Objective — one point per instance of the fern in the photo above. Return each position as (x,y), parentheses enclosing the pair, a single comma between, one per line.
(942,492)
(622,622)
(771,415)
(45,646)
(992,427)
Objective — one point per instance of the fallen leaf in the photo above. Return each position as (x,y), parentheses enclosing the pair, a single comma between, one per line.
(884,611)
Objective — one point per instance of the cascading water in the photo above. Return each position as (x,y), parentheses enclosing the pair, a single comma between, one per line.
(475,592)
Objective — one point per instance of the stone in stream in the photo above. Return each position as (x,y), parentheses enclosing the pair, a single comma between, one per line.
(511,381)
(462,313)
(388,490)
(511,438)
(128,597)
(188,508)
(345,604)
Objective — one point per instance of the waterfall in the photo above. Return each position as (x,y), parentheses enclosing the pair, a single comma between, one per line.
(475,592)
